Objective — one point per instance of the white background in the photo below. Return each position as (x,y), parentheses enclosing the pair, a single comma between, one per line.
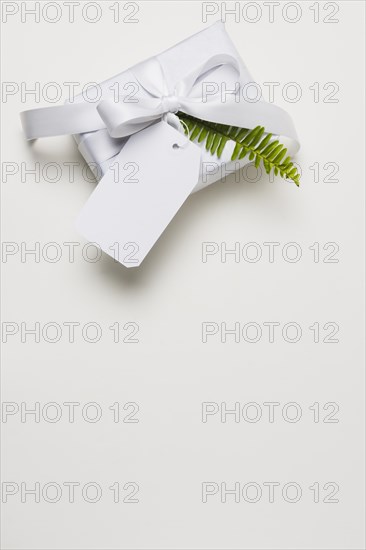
(170,452)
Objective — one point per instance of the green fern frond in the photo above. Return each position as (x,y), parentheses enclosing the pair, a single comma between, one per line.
(254,143)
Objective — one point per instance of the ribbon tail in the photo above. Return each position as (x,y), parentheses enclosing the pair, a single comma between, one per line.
(75,118)
(243,114)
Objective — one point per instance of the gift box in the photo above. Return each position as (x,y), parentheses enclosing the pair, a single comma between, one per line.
(147,119)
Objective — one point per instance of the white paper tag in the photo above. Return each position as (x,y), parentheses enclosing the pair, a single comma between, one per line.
(141,192)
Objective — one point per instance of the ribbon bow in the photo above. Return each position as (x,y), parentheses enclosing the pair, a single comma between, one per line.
(123,119)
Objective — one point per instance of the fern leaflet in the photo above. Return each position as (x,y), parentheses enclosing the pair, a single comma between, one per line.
(255,143)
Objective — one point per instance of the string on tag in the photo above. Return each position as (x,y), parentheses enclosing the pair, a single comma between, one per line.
(177,124)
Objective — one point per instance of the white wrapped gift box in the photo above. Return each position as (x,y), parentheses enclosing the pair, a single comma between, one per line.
(202,76)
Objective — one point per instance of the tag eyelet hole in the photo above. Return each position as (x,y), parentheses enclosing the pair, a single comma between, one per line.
(175,146)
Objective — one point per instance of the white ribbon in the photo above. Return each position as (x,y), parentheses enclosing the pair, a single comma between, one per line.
(122,119)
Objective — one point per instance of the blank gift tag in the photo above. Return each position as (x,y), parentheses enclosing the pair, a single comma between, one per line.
(141,192)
